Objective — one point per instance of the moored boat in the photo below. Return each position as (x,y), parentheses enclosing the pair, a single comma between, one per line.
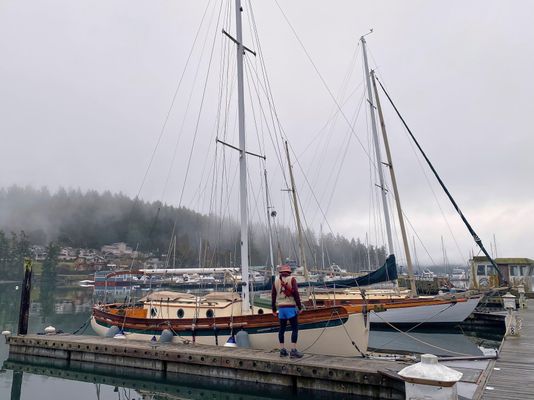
(326,330)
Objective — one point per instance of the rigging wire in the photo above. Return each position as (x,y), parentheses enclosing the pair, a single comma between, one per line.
(476,238)
(195,135)
(323,81)
(173,101)
(418,159)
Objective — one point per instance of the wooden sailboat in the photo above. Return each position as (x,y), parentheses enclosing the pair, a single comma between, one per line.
(405,307)
(215,318)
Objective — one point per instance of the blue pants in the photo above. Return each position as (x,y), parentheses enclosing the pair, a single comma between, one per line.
(283,324)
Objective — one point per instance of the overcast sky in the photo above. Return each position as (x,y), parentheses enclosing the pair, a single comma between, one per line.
(85,87)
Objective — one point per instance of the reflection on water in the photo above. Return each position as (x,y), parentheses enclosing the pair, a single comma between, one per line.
(69,308)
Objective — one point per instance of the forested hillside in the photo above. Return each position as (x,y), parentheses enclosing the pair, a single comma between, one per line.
(91,220)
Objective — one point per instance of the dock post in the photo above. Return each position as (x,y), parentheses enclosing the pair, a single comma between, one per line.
(512,321)
(430,380)
(25,298)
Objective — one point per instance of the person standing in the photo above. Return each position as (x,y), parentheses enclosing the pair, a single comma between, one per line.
(285,302)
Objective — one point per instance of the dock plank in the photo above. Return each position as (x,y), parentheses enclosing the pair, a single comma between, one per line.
(512,375)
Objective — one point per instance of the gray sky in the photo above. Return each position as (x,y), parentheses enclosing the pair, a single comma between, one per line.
(85,88)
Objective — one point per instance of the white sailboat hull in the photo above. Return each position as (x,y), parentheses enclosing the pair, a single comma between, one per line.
(331,340)
(434,314)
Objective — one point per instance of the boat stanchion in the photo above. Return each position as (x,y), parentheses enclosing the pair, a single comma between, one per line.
(430,380)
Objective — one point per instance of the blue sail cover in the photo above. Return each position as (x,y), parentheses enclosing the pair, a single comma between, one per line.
(387,272)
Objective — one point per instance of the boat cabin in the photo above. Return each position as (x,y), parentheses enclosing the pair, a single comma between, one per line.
(516,271)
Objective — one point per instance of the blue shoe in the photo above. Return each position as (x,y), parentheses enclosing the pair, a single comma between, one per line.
(283,353)
(295,354)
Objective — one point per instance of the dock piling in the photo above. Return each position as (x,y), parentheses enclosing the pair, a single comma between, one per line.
(25,298)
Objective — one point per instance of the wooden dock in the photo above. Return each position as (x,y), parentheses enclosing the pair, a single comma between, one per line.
(365,378)
(511,376)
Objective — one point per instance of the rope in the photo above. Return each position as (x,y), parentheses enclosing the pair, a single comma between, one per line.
(419,340)
(344,327)
(84,326)
(422,322)
(348,335)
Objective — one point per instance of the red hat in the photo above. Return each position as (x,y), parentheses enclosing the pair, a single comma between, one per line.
(284,268)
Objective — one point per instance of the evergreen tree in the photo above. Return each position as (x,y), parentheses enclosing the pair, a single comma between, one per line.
(50,263)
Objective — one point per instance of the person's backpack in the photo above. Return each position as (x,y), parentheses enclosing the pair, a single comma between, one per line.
(285,288)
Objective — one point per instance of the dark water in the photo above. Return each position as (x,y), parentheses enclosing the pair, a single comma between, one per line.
(69,309)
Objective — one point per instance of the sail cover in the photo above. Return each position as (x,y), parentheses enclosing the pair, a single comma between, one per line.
(387,272)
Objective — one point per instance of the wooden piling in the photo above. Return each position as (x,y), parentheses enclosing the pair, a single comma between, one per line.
(25,298)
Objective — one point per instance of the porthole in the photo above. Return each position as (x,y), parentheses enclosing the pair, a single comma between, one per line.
(260,311)
(180,313)
(209,313)
(153,312)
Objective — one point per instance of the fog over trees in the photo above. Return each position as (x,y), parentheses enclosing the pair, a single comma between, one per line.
(91,220)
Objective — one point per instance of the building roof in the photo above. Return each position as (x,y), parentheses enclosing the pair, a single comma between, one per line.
(506,260)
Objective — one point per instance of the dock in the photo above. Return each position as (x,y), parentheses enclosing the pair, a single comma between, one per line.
(216,371)
(356,377)
(511,376)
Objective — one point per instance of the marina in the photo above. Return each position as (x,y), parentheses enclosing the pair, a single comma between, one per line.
(233,204)
(72,357)
(376,376)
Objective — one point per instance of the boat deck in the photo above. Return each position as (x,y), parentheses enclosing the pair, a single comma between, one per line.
(512,375)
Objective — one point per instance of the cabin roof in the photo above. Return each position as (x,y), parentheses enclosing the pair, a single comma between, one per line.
(166,295)
(506,261)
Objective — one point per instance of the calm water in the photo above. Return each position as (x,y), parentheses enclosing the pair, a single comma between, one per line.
(69,309)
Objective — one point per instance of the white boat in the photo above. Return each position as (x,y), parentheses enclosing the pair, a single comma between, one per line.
(449,313)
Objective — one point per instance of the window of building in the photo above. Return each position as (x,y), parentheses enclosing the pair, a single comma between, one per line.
(481,270)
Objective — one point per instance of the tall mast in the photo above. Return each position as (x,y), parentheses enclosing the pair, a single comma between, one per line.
(445,258)
(395,191)
(297,216)
(322,248)
(269,222)
(245,303)
(377,148)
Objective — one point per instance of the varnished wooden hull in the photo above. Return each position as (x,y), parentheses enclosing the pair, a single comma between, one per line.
(328,331)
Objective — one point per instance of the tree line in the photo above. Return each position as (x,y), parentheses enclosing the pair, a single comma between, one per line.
(91,219)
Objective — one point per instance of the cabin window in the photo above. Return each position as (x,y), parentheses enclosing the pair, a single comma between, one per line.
(180,313)
(209,313)
(481,270)
(524,270)
(153,312)
(260,311)
(513,270)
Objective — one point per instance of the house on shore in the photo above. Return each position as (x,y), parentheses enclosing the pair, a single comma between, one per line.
(516,271)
